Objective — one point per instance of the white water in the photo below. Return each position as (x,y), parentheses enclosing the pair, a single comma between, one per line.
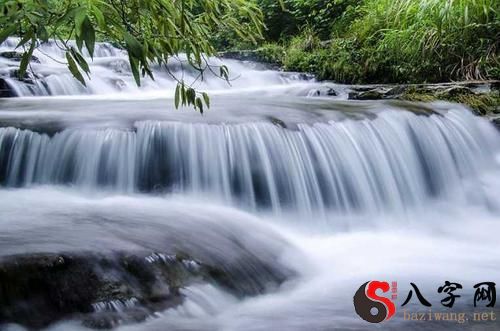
(342,182)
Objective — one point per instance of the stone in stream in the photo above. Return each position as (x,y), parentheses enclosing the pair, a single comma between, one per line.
(6,91)
(101,291)
(372,94)
(17,56)
(39,289)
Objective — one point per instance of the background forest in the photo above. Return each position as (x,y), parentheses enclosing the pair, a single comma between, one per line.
(380,41)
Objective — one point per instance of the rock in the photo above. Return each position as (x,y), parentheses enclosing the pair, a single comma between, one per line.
(277,122)
(105,290)
(496,121)
(118,83)
(323,91)
(304,76)
(17,56)
(6,91)
(396,92)
(28,76)
(40,289)
(454,91)
(331,92)
(374,94)
(119,66)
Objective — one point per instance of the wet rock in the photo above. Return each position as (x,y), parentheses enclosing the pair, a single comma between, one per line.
(324,91)
(304,76)
(396,92)
(277,122)
(496,121)
(105,290)
(6,91)
(37,290)
(331,92)
(17,56)
(119,66)
(28,77)
(118,83)
(373,94)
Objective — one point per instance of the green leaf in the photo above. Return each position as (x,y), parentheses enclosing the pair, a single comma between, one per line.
(7,32)
(42,34)
(80,60)
(206,98)
(183,95)
(134,66)
(88,35)
(199,105)
(26,59)
(191,95)
(74,69)
(99,17)
(26,38)
(80,16)
(177,95)
(133,46)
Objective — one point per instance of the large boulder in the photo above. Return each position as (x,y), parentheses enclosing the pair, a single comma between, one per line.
(37,290)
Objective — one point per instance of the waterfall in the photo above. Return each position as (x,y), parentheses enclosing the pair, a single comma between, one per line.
(110,73)
(392,162)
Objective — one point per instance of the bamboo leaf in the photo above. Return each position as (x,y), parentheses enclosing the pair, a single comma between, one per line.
(177,95)
(74,69)
(88,35)
(7,32)
(206,98)
(134,66)
(26,58)
(199,105)
(133,46)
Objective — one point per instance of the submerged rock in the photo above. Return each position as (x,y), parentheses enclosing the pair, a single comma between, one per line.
(276,121)
(17,56)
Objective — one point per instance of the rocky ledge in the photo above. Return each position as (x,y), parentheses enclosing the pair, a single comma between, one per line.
(481,96)
(101,290)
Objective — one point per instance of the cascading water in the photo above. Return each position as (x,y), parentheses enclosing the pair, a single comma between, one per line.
(111,73)
(392,162)
(299,196)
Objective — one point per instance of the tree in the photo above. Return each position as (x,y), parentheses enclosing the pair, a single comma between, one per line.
(151,31)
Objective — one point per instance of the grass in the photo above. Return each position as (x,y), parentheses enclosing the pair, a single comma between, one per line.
(402,41)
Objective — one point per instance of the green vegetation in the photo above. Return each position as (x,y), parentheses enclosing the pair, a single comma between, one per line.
(385,41)
(151,31)
(481,103)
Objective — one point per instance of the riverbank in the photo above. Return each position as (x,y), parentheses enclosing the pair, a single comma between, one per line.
(482,96)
